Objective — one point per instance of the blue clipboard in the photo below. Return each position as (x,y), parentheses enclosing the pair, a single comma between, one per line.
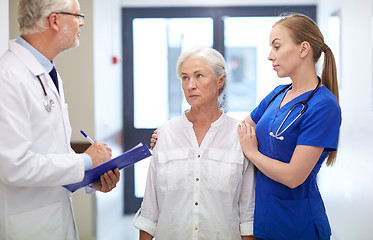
(125,160)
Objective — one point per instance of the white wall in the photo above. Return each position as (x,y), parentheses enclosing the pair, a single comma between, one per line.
(347,187)
(4,25)
(107,75)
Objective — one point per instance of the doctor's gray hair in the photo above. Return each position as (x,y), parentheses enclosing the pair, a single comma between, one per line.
(212,57)
(33,14)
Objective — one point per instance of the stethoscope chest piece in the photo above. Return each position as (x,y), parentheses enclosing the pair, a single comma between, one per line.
(48,103)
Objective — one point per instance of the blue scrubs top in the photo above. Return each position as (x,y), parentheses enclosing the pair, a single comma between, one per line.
(282,213)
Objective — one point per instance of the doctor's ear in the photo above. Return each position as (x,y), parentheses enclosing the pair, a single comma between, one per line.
(53,21)
(305,49)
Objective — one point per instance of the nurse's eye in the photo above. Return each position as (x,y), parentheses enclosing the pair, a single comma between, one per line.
(199,75)
(184,78)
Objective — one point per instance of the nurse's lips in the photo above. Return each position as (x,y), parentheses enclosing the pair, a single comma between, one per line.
(275,66)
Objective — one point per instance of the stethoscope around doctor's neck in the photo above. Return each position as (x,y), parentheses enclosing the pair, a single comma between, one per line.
(48,103)
(304,104)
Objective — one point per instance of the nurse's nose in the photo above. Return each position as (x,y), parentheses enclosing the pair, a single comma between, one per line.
(270,56)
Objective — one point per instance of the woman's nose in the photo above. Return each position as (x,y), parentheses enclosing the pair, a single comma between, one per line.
(270,56)
(192,84)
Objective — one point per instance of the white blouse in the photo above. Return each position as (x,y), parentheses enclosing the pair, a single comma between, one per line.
(198,192)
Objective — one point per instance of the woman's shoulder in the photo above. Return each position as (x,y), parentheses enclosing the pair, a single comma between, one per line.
(325,98)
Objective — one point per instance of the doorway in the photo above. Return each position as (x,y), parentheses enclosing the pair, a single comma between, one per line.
(153,38)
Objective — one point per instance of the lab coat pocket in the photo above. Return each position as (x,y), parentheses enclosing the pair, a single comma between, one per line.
(224,169)
(48,224)
(173,169)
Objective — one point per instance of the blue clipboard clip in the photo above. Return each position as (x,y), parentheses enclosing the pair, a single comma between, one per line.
(127,159)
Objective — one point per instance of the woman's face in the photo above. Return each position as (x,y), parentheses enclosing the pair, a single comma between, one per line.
(199,83)
(284,54)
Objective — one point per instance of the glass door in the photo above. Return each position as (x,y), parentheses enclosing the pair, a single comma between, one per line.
(153,39)
(158,96)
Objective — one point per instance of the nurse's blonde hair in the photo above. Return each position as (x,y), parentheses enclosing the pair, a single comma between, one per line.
(303,28)
(33,14)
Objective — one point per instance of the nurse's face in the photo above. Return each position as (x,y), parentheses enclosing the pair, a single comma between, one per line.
(199,83)
(285,53)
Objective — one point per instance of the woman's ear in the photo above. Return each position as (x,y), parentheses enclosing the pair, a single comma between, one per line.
(221,81)
(305,49)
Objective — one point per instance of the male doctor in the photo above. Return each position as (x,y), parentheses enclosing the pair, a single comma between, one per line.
(36,159)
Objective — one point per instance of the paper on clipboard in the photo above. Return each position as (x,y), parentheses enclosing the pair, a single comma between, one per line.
(127,159)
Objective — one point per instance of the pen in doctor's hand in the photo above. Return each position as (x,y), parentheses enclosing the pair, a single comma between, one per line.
(87,137)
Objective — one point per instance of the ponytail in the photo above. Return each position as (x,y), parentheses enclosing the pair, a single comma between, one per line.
(329,79)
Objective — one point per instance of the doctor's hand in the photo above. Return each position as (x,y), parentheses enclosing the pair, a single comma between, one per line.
(108,181)
(99,152)
(248,140)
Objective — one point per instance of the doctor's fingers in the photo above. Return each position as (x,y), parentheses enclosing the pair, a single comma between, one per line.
(102,148)
(110,179)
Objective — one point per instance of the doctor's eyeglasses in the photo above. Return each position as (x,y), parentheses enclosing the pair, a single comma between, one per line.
(78,15)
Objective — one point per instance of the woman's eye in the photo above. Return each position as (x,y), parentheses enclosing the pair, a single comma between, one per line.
(199,76)
(184,78)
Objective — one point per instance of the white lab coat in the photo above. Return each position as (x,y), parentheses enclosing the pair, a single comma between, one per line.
(36,158)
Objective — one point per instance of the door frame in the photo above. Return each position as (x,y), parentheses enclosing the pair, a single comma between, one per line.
(133,136)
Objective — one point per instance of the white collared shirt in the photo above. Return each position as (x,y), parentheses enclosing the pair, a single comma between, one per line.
(198,192)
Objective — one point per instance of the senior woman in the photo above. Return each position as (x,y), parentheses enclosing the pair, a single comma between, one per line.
(199,185)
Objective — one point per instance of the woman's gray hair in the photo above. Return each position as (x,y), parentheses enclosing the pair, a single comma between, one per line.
(32,14)
(212,57)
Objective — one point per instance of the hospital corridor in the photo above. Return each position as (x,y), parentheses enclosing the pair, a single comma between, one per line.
(121,84)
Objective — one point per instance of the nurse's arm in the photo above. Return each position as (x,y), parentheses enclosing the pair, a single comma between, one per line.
(291,174)
(250,121)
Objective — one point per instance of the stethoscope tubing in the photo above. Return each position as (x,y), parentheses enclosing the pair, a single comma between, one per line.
(277,135)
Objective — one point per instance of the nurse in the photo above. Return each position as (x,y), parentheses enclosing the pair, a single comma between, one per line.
(290,134)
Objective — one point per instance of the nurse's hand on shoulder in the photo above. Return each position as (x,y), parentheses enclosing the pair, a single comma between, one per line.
(108,181)
(248,140)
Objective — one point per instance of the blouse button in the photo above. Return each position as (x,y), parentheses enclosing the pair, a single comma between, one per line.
(199,156)
(196,228)
(196,203)
(197,179)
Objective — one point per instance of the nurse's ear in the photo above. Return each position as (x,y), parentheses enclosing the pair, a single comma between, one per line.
(305,49)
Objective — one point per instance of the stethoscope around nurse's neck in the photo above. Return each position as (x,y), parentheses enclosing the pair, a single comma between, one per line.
(48,103)
(304,104)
